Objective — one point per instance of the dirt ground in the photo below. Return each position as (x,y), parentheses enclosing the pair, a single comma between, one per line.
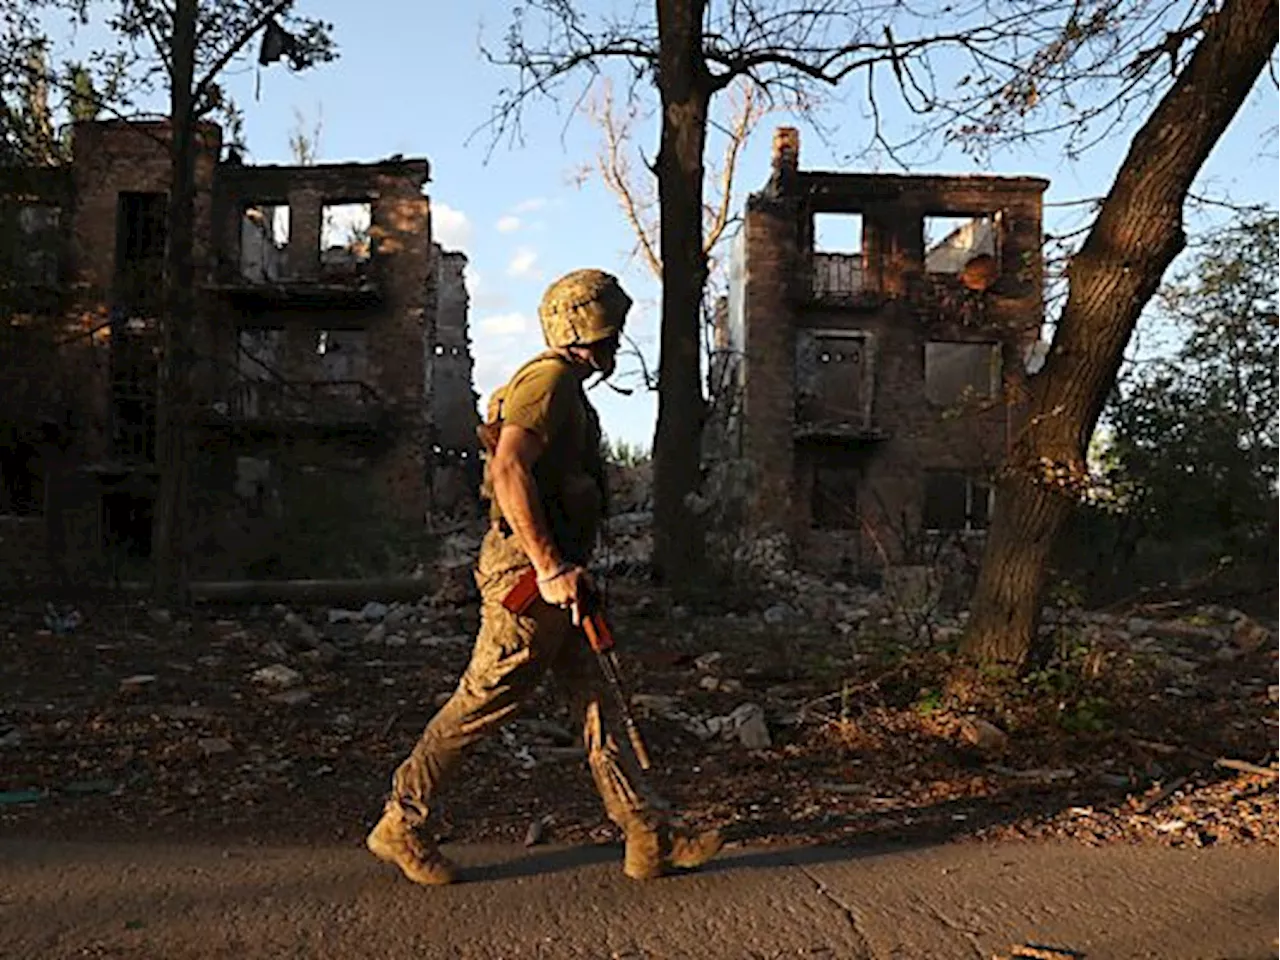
(122,722)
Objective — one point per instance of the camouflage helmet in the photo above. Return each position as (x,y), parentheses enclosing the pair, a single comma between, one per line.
(583,307)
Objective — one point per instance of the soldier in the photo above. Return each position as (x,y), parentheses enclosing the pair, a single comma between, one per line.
(545,481)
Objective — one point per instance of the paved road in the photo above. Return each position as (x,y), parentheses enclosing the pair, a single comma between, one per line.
(960,901)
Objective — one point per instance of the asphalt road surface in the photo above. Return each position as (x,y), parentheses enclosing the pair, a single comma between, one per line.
(964,901)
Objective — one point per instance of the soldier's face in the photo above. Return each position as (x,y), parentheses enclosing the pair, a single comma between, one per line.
(603,355)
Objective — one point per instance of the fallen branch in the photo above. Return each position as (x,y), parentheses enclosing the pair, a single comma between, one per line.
(1244,766)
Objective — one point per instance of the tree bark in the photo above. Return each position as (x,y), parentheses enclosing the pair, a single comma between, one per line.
(170,555)
(1137,235)
(685,89)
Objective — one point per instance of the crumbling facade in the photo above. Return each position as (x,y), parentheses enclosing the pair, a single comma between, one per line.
(873,382)
(331,361)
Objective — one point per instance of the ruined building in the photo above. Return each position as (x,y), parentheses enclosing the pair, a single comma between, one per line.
(872,353)
(331,359)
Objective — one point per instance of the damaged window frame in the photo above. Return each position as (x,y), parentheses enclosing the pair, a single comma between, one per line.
(995,355)
(979,501)
(836,274)
(980,268)
(331,256)
(269,227)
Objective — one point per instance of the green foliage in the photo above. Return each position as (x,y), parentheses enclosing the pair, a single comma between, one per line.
(1195,434)
(929,702)
(624,454)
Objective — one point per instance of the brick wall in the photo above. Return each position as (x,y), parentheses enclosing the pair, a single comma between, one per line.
(900,308)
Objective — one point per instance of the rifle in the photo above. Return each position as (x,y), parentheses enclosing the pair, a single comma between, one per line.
(600,637)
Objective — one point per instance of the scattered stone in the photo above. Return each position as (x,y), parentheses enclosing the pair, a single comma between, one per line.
(160,615)
(211,746)
(750,728)
(291,698)
(1273,693)
(277,675)
(373,610)
(304,629)
(454,640)
(376,634)
(709,683)
(343,616)
(984,735)
(11,739)
(1248,635)
(731,685)
(537,831)
(708,661)
(137,682)
(396,640)
(778,613)
(274,650)
(323,653)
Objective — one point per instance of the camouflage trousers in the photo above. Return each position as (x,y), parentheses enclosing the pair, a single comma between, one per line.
(511,655)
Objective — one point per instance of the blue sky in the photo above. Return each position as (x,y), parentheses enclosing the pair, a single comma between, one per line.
(410,80)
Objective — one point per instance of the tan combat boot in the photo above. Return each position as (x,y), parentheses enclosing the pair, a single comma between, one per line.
(654,851)
(412,850)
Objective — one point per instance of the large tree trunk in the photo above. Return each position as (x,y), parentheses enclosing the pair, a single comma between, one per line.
(169,552)
(685,91)
(1136,236)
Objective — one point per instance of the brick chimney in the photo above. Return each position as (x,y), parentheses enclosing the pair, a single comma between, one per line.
(786,150)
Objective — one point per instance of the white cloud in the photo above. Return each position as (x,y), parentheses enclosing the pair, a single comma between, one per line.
(451,227)
(508,224)
(524,263)
(482,296)
(530,205)
(504,324)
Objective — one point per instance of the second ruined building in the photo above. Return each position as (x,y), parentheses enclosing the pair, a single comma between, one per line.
(871,356)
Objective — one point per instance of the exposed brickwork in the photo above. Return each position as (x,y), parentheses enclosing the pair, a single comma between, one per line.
(369,413)
(899,307)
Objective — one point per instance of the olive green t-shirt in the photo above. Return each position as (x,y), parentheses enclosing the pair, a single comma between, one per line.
(546,398)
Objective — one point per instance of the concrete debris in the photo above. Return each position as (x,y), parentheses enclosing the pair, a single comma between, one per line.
(137,682)
(984,735)
(211,746)
(291,698)
(750,728)
(373,611)
(323,653)
(277,675)
(1249,635)
(274,650)
(305,630)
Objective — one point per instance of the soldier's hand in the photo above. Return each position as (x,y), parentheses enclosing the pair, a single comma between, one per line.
(571,589)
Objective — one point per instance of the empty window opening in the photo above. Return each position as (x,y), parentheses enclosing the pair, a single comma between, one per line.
(21,476)
(838,262)
(345,245)
(264,242)
(38,248)
(834,505)
(956,502)
(959,372)
(141,238)
(967,247)
(342,356)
